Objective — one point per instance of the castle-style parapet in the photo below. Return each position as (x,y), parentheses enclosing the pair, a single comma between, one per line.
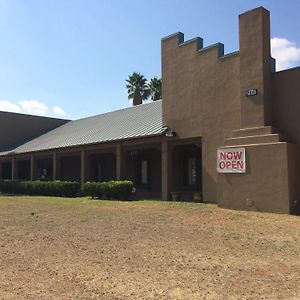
(208,94)
(176,40)
(255,63)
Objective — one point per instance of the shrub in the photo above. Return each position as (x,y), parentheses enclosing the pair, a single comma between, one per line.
(93,189)
(11,187)
(41,188)
(119,190)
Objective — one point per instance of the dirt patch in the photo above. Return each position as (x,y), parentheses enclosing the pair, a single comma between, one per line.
(52,248)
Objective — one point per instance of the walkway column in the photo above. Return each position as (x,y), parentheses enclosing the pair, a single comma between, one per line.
(31,167)
(82,164)
(54,166)
(166,170)
(13,168)
(119,162)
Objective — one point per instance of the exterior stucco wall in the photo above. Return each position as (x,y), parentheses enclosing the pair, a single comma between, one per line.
(204,91)
(286,103)
(265,185)
(294,178)
(16,129)
(285,116)
(255,67)
(201,99)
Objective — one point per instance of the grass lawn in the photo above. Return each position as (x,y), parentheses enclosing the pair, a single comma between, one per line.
(54,248)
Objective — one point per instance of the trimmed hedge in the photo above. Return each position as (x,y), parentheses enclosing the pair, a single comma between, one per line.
(119,190)
(41,188)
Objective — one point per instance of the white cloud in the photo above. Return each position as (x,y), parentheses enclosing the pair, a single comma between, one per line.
(34,107)
(9,106)
(59,111)
(285,52)
(30,106)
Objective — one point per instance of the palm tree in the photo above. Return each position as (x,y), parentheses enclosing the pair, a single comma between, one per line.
(137,88)
(155,87)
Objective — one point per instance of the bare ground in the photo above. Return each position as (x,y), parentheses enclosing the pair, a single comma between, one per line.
(53,248)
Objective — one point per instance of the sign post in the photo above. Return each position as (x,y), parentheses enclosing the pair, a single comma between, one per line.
(231,160)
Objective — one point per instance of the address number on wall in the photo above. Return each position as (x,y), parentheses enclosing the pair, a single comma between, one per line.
(251,92)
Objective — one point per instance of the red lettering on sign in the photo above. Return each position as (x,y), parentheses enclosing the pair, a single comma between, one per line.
(231,161)
(227,164)
(229,155)
(237,155)
(240,164)
(222,165)
(222,156)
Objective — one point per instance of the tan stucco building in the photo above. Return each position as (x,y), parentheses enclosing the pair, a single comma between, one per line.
(211,102)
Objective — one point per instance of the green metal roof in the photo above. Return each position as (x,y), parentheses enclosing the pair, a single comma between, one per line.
(138,121)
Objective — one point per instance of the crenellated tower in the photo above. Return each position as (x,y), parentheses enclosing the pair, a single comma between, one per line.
(226,101)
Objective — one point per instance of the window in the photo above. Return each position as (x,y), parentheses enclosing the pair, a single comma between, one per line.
(144,172)
(191,171)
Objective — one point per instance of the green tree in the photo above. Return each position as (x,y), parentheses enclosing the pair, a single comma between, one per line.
(155,87)
(137,87)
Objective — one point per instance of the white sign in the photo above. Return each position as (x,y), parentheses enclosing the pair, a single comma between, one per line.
(231,160)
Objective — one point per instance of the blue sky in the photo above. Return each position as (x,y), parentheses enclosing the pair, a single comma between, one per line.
(70,58)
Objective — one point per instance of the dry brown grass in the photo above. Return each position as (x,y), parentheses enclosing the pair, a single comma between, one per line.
(52,248)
